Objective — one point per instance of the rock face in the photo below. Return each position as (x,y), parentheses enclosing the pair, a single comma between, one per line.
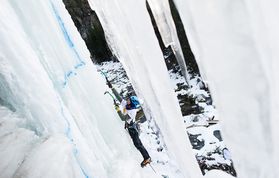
(90,29)
(170,58)
(187,51)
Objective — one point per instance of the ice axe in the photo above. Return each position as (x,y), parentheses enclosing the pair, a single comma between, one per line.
(104,74)
(114,100)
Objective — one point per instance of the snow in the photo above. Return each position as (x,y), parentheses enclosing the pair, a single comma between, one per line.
(214,174)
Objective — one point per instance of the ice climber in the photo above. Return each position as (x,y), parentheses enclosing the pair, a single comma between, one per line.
(131,114)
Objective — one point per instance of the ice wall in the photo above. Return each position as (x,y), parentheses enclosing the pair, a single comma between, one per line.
(63,126)
(267,38)
(236,45)
(163,17)
(130,34)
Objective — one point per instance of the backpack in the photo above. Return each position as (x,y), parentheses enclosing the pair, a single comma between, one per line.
(135,104)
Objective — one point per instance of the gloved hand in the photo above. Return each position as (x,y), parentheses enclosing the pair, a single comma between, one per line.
(126,125)
(116,106)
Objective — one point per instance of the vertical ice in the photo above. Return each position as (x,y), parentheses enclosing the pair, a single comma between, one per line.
(63,126)
(166,26)
(236,44)
(130,33)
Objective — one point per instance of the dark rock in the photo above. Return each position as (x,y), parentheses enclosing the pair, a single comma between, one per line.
(217,134)
(160,149)
(196,143)
(90,29)
(189,57)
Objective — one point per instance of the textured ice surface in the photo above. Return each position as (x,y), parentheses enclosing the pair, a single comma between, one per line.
(67,127)
(236,44)
(130,33)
